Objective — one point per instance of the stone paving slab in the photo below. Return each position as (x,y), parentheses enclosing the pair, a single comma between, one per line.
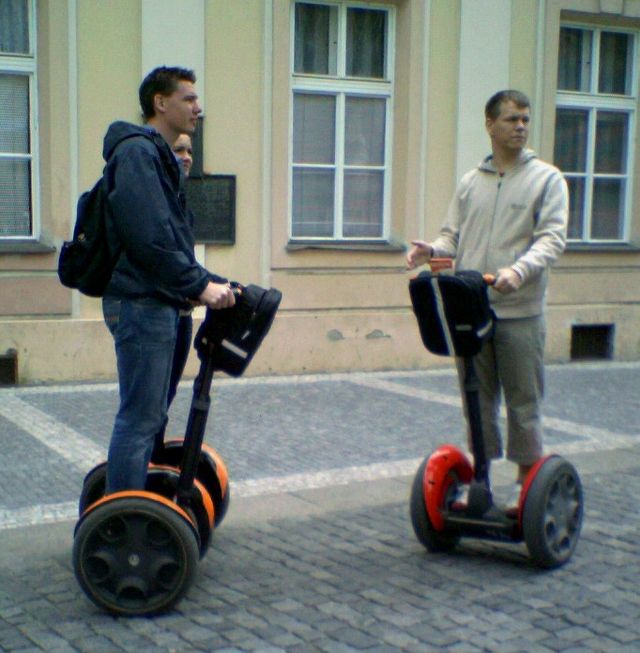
(335,567)
(344,580)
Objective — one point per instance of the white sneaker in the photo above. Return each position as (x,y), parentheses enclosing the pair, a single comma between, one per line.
(461,500)
(512,505)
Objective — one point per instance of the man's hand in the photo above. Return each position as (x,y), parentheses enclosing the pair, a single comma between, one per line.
(507,280)
(420,253)
(217,295)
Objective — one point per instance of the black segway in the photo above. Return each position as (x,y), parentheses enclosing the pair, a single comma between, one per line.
(135,552)
(451,497)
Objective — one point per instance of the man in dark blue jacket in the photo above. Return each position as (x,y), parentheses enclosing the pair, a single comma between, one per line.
(157,274)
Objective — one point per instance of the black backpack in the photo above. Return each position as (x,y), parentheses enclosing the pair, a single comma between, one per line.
(453,312)
(237,332)
(87,262)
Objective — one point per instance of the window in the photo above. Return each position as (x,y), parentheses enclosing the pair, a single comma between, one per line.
(342,99)
(595,125)
(17,99)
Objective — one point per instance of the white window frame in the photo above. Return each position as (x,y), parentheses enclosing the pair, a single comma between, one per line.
(26,65)
(341,86)
(593,101)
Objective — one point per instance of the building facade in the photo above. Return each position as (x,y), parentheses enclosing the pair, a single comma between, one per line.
(344,127)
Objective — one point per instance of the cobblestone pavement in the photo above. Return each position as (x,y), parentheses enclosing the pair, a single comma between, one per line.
(317,552)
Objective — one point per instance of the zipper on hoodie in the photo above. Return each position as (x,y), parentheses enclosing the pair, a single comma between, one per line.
(493,220)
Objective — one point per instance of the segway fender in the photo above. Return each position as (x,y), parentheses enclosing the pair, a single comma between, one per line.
(533,472)
(438,478)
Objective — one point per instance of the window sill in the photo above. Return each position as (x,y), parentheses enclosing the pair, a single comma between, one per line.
(593,248)
(25,247)
(346,245)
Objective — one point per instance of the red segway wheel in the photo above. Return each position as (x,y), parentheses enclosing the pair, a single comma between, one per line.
(552,511)
(135,553)
(435,485)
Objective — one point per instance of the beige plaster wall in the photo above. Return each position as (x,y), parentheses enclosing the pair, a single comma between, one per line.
(234,125)
(342,310)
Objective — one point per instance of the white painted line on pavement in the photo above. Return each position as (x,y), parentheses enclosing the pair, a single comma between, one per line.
(68,511)
(324,478)
(50,513)
(65,441)
(83,453)
(591,438)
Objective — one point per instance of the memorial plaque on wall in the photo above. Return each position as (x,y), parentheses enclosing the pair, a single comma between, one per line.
(212,198)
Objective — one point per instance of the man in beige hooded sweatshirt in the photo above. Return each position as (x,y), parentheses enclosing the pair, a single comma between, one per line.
(508,217)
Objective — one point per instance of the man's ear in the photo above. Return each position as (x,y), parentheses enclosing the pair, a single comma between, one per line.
(159,103)
(488,123)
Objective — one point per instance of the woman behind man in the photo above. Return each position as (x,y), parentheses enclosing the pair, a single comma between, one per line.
(183,149)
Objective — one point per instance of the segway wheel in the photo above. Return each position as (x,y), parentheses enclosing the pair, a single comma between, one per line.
(135,553)
(436,541)
(552,513)
(211,472)
(93,487)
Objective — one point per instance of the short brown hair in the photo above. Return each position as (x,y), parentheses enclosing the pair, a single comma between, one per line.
(492,108)
(161,80)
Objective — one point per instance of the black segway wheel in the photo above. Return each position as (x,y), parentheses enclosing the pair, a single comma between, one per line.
(436,541)
(211,472)
(135,553)
(552,513)
(93,487)
(163,480)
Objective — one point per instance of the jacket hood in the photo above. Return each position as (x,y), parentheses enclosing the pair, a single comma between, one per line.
(525,156)
(118,132)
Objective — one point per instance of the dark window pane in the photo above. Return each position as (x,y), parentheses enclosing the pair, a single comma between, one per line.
(576,208)
(14,26)
(315,39)
(366,32)
(15,197)
(363,201)
(611,142)
(314,118)
(312,203)
(570,149)
(574,59)
(607,212)
(364,131)
(614,75)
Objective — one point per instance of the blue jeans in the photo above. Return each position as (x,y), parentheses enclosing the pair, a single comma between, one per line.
(180,356)
(144,332)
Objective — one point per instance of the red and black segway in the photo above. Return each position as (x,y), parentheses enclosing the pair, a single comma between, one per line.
(454,318)
(135,552)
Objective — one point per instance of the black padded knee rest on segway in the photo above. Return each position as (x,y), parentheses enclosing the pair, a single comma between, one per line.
(453,312)
(238,331)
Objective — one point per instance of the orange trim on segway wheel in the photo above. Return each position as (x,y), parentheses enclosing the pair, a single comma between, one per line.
(527,484)
(207,501)
(140,494)
(221,468)
(437,479)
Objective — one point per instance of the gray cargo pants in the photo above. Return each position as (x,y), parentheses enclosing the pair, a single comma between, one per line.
(512,361)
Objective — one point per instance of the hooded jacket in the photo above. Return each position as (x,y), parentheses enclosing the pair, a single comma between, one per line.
(151,222)
(517,219)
